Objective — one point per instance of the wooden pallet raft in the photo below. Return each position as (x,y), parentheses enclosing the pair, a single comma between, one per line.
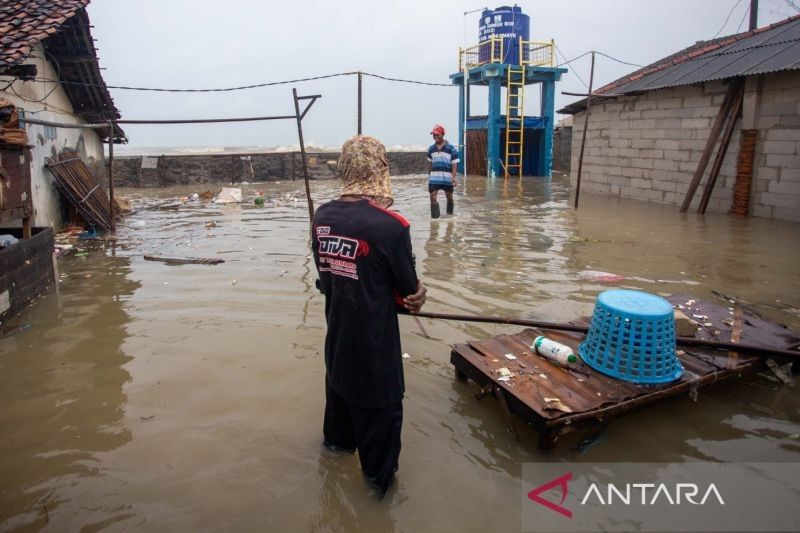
(557,400)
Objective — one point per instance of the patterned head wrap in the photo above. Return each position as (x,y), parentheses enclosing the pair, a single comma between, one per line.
(364,168)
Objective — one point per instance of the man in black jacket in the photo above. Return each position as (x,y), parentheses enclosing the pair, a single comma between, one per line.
(367,274)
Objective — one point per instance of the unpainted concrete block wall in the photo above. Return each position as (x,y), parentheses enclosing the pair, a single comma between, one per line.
(777,167)
(647,147)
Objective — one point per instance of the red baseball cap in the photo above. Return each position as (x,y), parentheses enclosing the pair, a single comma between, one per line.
(437,129)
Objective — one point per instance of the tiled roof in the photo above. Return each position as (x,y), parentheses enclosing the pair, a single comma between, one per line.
(62,27)
(26,23)
(773,48)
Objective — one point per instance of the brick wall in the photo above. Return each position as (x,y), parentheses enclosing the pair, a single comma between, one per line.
(647,147)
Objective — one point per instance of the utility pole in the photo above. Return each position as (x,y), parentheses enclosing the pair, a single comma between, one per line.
(753,14)
(359,102)
(585,127)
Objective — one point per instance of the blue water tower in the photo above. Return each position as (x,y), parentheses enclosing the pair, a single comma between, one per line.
(510,24)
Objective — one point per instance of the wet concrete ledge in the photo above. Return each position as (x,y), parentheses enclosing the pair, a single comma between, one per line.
(168,170)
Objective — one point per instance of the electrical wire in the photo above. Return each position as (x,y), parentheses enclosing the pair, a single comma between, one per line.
(619,60)
(558,50)
(225,89)
(40,100)
(408,81)
(793,5)
(243,87)
(727,18)
(739,27)
(574,59)
(778,4)
(45,97)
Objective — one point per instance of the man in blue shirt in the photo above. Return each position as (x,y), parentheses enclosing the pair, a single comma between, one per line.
(443,158)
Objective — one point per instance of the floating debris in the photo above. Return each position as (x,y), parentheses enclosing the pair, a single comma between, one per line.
(510,356)
(556,404)
(600,276)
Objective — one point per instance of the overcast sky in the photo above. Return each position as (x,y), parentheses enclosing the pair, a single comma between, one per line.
(211,44)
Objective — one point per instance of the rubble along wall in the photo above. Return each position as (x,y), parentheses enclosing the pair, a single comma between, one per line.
(168,170)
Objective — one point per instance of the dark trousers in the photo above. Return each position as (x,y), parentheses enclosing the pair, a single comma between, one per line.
(375,433)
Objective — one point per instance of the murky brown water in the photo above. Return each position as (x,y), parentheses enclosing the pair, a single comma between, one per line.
(190,397)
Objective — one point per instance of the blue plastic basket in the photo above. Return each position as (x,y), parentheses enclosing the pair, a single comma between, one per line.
(632,337)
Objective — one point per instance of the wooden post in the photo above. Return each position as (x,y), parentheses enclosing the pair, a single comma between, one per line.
(112,223)
(359,102)
(733,117)
(710,143)
(583,139)
(303,155)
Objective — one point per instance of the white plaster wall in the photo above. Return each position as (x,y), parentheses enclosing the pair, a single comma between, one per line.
(48,101)
(647,147)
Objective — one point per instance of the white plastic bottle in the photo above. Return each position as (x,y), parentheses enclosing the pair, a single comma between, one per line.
(555,351)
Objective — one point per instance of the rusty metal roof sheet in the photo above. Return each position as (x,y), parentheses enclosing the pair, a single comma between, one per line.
(773,48)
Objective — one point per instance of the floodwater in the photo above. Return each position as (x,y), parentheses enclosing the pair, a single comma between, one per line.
(190,397)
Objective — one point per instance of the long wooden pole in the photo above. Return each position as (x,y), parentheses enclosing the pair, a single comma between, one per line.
(303,155)
(683,341)
(733,117)
(111,222)
(585,128)
(359,102)
(710,143)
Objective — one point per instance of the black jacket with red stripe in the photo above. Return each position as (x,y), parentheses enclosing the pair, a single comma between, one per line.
(366,266)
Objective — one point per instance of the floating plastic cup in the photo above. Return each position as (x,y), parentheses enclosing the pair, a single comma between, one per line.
(632,337)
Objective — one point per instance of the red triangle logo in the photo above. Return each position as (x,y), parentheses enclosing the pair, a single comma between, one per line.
(557,482)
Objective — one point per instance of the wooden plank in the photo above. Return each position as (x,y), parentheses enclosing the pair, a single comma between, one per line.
(733,117)
(30,272)
(25,249)
(13,160)
(563,384)
(709,149)
(736,335)
(662,393)
(14,213)
(594,397)
(26,283)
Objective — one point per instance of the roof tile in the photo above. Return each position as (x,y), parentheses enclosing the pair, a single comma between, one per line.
(29,22)
(24,24)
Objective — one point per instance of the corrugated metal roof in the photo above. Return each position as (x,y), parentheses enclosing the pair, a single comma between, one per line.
(772,48)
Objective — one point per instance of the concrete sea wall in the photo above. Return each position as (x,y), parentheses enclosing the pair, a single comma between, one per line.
(168,170)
